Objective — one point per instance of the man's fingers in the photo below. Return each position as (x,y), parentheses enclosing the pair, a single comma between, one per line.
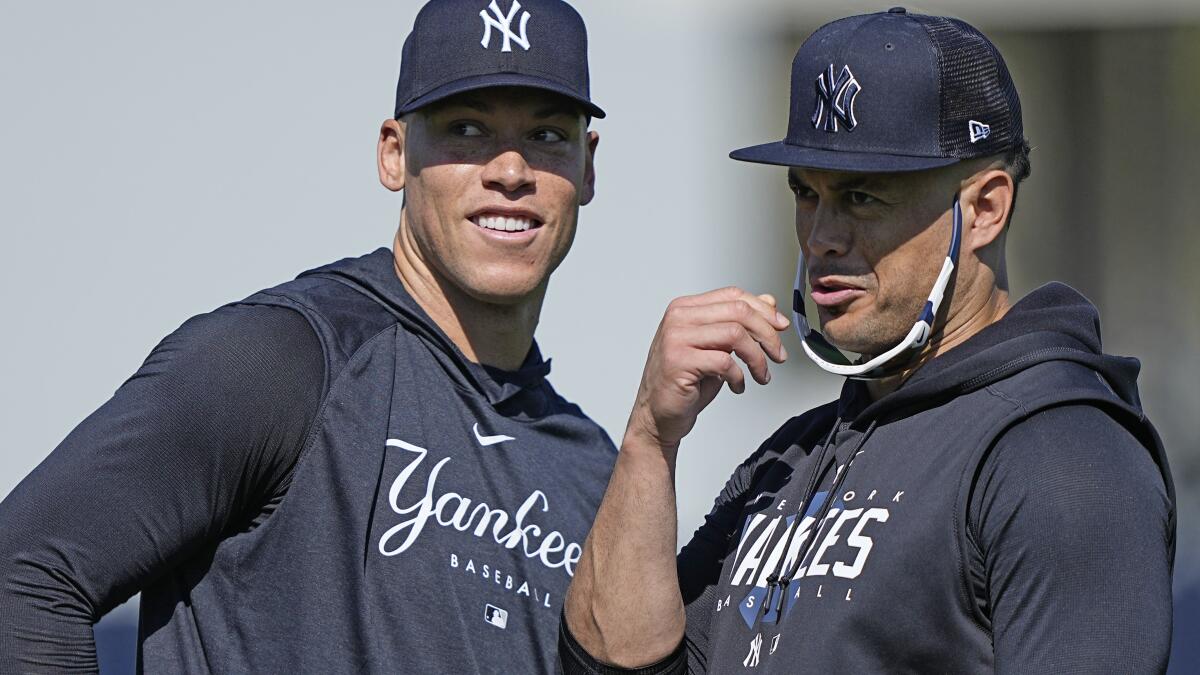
(764,303)
(730,337)
(722,364)
(709,297)
(740,312)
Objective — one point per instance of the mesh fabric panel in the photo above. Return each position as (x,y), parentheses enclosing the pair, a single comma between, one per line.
(975,86)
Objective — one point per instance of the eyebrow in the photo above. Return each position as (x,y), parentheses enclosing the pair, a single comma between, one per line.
(855,182)
(476,104)
(555,109)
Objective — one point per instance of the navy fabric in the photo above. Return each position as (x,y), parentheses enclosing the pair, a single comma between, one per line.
(314,479)
(461,45)
(199,444)
(1009,509)
(891,92)
(783,153)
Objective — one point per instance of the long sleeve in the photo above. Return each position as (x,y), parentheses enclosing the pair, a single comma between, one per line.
(197,445)
(1072,522)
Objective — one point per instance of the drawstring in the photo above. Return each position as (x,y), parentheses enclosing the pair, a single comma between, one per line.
(814,479)
(782,581)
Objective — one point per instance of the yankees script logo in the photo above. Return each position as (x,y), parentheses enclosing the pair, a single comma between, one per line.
(503,23)
(453,510)
(835,100)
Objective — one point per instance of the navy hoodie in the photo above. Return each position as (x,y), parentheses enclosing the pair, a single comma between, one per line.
(425,516)
(1008,509)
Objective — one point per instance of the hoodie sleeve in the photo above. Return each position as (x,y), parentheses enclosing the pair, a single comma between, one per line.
(197,444)
(1072,522)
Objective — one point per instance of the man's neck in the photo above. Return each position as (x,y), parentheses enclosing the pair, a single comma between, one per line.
(488,333)
(960,328)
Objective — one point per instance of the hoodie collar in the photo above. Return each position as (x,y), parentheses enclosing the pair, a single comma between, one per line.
(374,275)
(1054,322)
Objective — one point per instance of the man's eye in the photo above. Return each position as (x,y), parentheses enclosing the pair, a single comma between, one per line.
(802,191)
(466,129)
(548,136)
(860,198)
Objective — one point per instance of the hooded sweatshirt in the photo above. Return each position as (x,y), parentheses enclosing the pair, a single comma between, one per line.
(395,507)
(1008,509)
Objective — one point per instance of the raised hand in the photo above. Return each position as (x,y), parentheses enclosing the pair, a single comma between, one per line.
(692,355)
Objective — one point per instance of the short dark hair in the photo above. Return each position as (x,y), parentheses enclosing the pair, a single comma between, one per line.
(1016,161)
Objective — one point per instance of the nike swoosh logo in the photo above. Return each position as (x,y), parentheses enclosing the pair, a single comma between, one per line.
(489,440)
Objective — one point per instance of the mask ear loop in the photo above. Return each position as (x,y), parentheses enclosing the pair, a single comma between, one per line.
(832,360)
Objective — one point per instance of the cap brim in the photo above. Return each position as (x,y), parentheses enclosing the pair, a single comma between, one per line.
(783,153)
(498,80)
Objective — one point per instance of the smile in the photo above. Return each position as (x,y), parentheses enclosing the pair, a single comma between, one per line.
(501,223)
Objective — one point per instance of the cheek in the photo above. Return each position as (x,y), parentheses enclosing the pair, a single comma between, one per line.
(804,227)
(435,194)
(559,195)
(907,272)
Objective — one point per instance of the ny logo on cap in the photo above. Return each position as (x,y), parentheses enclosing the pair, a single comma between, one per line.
(503,23)
(835,100)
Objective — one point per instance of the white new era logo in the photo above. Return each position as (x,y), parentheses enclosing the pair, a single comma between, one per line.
(503,23)
(979,131)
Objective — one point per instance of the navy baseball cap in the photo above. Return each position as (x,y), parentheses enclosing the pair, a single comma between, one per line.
(462,45)
(893,92)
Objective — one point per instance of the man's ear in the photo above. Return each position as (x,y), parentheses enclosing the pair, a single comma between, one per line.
(589,169)
(987,203)
(390,154)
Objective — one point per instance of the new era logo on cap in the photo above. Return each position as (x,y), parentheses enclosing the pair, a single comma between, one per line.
(978,131)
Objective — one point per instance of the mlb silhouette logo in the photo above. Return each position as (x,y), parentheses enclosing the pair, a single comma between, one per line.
(495,616)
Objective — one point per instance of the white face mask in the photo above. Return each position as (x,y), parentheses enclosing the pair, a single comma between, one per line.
(830,359)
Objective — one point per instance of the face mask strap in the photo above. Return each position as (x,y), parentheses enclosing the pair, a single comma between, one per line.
(832,360)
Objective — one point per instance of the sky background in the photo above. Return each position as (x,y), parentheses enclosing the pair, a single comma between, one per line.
(159,159)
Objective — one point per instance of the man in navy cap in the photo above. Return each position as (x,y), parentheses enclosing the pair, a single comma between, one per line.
(986,495)
(363,469)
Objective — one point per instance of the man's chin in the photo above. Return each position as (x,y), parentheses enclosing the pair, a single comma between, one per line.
(503,289)
(854,342)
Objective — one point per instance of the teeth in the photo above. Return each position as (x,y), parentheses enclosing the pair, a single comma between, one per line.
(504,224)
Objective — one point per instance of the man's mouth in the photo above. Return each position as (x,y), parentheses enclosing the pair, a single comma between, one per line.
(506,222)
(828,292)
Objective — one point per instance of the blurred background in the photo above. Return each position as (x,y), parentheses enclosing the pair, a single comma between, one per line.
(158,159)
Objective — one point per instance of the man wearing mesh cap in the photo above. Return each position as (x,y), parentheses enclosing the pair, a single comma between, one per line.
(364,469)
(986,495)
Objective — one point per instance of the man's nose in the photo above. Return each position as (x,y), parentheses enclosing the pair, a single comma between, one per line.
(508,172)
(830,234)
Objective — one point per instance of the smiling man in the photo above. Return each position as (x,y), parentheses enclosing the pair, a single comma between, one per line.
(985,496)
(363,469)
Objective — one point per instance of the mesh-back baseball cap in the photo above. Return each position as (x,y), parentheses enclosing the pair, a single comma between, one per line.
(894,91)
(462,45)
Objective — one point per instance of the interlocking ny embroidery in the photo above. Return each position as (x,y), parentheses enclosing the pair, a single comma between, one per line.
(503,23)
(835,100)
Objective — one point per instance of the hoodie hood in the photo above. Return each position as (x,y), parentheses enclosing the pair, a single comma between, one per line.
(374,275)
(1053,323)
